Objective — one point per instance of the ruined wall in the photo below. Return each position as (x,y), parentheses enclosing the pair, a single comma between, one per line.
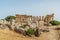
(48,18)
(25,18)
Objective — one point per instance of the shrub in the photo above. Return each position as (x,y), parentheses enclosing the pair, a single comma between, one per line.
(30,32)
(9,18)
(54,22)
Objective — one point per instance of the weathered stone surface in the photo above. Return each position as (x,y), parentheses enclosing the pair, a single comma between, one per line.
(25,18)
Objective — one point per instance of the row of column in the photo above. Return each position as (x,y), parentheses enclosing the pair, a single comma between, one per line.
(25,18)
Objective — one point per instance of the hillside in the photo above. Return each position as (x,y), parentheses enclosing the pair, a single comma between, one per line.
(11,35)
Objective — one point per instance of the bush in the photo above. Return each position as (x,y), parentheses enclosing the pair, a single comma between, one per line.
(9,18)
(30,32)
(54,22)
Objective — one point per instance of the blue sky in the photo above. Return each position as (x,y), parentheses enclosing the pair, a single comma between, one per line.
(30,7)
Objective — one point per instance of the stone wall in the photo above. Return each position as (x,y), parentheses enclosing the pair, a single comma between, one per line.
(26,18)
(23,18)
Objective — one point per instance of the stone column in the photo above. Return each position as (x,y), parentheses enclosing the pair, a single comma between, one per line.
(45,19)
(33,18)
(52,18)
(29,18)
(42,18)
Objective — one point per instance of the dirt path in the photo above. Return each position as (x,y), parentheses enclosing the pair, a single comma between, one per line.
(58,34)
(52,35)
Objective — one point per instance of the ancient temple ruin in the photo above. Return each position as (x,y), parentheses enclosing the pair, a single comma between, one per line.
(25,18)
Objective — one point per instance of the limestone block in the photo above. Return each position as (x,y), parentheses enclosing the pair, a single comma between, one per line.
(33,25)
(41,23)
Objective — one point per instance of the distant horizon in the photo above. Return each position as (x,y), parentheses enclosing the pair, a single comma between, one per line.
(31,15)
(30,7)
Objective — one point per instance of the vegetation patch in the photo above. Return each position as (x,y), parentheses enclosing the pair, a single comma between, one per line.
(54,22)
(9,18)
(30,32)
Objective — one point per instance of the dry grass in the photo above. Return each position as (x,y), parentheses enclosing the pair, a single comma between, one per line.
(11,35)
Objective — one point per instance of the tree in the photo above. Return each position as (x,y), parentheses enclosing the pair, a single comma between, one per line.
(9,18)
